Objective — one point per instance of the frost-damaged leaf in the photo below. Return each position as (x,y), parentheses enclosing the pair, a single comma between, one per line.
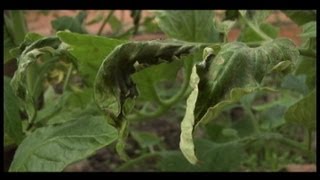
(236,65)
(303,112)
(26,80)
(52,148)
(193,26)
(301,16)
(89,50)
(113,84)
(114,89)
(12,120)
(186,140)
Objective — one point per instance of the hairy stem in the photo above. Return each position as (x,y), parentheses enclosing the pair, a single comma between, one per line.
(66,82)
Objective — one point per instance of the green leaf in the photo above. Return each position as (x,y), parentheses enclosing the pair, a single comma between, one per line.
(307,66)
(295,83)
(272,117)
(285,100)
(219,157)
(73,24)
(309,30)
(89,50)
(148,78)
(249,35)
(235,95)
(145,139)
(12,120)
(224,73)
(303,112)
(52,148)
(301,16)
(188,25)
(186,140)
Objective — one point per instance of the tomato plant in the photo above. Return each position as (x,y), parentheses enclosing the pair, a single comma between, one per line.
(74,93)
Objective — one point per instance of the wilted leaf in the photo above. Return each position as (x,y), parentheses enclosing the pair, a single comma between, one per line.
(187,25)
(27,80)
(52,148)
(12,120)
(186,140)
(225,73)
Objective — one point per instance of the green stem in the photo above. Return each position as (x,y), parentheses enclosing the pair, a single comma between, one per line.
(253,119)
(66,82)
(308,52)
(255,28)
(309,139)
(132,162)
(20,26)
(166,105)
(105,22)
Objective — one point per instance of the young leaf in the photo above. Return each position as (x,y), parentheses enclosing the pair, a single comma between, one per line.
(52,148)
(303,112)
(12,120)
(89,50)
(186,140)
(193,26)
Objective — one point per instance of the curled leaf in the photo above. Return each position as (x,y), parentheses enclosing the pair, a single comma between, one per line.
(186,140)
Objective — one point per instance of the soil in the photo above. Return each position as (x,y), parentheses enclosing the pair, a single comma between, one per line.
(106,159)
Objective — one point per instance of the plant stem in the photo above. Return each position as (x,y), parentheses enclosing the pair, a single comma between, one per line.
(105,22)
(308,52)
(166,105)
(309,139)
(66,82)
(253,119)
(136,160)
